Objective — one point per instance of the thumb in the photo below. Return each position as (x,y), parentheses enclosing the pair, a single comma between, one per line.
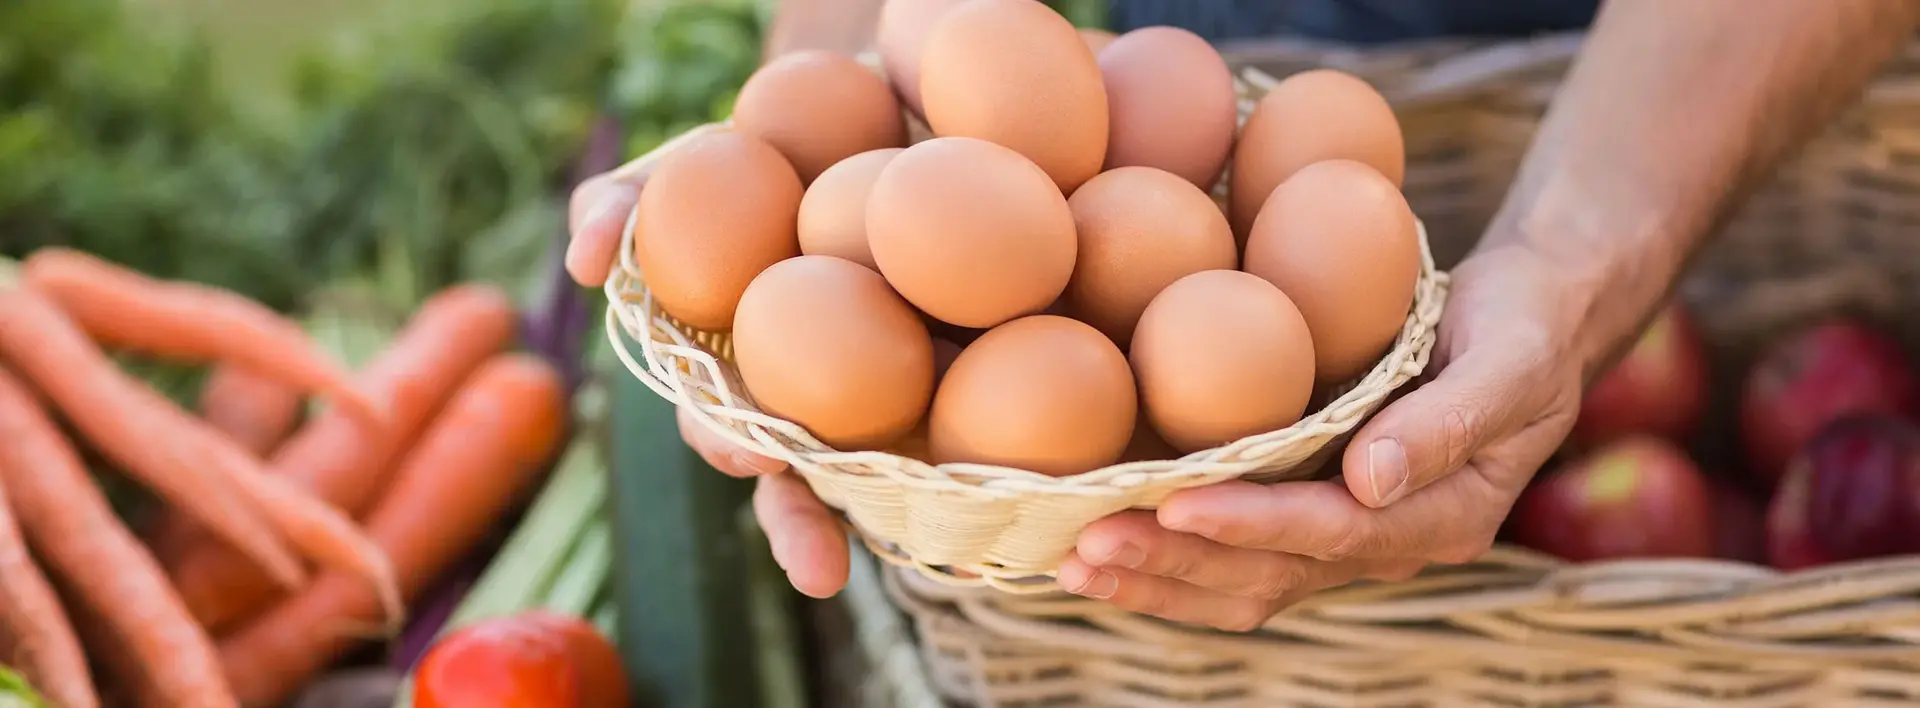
(1436,428)
(596,213)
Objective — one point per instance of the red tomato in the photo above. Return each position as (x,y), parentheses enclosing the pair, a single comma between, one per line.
(500,663)
(603,680)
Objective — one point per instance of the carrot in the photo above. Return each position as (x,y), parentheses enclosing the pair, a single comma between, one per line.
(34,630)
(258,411)
(123,308)
(131,425)
(454,332)
(477,460)
(69,523)
(323,532)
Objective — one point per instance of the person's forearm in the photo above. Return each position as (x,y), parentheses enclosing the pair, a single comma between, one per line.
(1674,111)
(840,25)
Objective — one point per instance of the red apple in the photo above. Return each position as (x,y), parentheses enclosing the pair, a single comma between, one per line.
(1637,497)
(1809,380)
(1659,387)
(1742,523)
(1853,492)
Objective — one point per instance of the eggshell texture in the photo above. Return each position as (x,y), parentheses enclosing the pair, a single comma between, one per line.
(1171,104)
(817,108)
(970,232)
(833,214)
(1221,355)
(716,212)
(1311,116)
(1140,229)
(1041,393)
(900,37)
(823,342)
(1018,74)
(1339,239)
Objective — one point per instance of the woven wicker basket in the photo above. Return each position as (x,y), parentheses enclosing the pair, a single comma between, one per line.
(972,525)
(1835,232)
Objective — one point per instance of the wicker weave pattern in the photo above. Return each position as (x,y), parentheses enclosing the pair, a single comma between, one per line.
(970,525)
(1835,231)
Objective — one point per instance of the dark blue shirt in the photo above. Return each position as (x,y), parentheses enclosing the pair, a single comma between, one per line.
(1357,21)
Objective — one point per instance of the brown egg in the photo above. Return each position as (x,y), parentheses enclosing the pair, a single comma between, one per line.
(1140,229)
(1221,355)
(1016,73)
(1171,104)
(901,36)
(970,232)
(819,107)
(833,214)
(1340,241)
(1040,393)
(823,342)
(1097,39)
(716,212)
(1311,116)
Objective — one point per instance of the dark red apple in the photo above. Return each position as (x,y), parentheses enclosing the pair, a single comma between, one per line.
(1742,523)
(1637,497)
(1813,378)
(1853,492)
(1659,387)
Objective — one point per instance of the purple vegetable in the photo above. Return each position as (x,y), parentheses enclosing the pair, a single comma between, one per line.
(428,617)
(558,326)
(556,329)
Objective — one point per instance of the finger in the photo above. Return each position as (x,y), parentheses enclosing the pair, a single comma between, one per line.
(595,216)
(1135,541)
(1436,428)
(1454,517)
(721,453)
(1165,598)
(806,537)
(1315,519)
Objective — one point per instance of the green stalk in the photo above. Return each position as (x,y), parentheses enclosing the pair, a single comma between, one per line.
(526,566)
(607,620)
(783,681)
(585,574)
(15,692)
(9,272)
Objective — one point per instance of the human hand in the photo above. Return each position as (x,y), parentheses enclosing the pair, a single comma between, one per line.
(1429,479)
(806,538)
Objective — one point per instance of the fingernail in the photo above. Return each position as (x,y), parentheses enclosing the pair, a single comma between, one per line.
(1099,586)
(755,464)
(1386,470)
(1126,556)
(1187,523)
(607,199)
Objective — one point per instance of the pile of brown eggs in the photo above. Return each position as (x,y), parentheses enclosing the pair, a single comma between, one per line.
(1046,284)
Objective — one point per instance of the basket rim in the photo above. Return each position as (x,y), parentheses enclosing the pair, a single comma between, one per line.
(628,315)
(972,525)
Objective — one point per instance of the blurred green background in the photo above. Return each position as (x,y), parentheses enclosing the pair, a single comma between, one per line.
(273,146)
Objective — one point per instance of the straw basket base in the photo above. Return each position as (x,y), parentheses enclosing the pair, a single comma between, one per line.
(1514,629)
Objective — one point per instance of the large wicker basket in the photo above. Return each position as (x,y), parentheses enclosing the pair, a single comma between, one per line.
(972,525)
(1837,231)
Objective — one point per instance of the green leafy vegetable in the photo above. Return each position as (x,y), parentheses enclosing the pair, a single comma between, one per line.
(15,692)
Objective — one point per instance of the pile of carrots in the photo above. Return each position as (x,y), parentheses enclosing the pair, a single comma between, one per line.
(287,540)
